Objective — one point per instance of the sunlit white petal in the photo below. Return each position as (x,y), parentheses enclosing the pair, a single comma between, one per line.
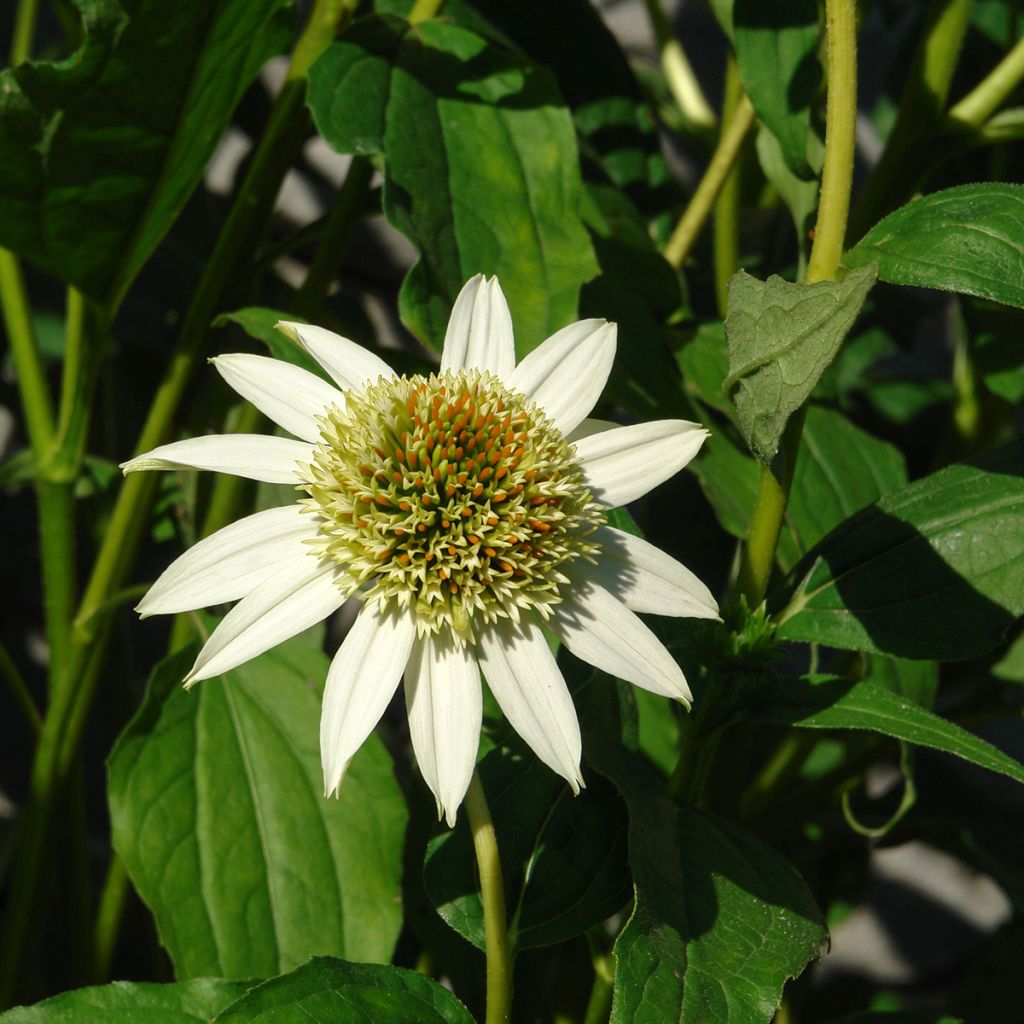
(363,678)
(445,705)
(479,334)
(349,364)
(289,395)
(645,579)
(272,460)
(601,630)
(302,594)
(231,562)
(621,465)
(526,682)
(566,374)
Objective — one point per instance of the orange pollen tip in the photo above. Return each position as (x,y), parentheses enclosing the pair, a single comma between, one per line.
(478,490)
(421,527)
(490,552)
(445,524)
(453,587)
(500,472)
(474,539)
(404,506)
(404,558)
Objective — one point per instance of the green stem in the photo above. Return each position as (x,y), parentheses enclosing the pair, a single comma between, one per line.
(990,94)
(920,114)
(826,253)
(600,1003)
(20,691)
(492,892)
(725,226)
(28,364)
(337,231)
(56,515)
(24,31)
(108,919)
(703,199)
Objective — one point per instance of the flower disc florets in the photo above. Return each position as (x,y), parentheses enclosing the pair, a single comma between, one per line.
(451,495)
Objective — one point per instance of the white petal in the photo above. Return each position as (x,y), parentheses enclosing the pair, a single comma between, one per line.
(526,682)
(445,705)
(351,365)
(566,374)
(602,631)
(363,678)
(291,600)
(620,465)
(646,579)
(479,334)
(273,460)
(231,562)
(289,395)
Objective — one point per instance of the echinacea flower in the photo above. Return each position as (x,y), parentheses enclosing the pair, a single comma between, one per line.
(464,511)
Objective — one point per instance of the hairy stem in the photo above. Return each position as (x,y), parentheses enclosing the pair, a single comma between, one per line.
(492,892)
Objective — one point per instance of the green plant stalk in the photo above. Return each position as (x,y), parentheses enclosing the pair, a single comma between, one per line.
(829,232)
(920,113)
(725,226)
(990,94)
(24,31)
(694,217)
(20,691)
(108,920)
(492,893)
(600,1002)
(64,722)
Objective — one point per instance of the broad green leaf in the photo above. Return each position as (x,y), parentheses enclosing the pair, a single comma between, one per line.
(102,151)
(781,338)
(934,570)
(260,323)
(839,470)
(217,808)
(480,162)
(778,64)
(918,680)
(704,362)
(329,991)
(968,239)
(829,703)
(123,1002)
(721,921)
(563,858)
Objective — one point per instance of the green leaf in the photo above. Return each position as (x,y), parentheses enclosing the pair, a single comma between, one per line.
(839,470)
(480,162)
(826,702)
(934,570)
(728,479)
(217,807)
(329,991)
(968,239)
(721,920)
(781,338)
(776,54)
(704,362)
(102,151)
(188,1002)
(799,194)
(563,858)
(260,323)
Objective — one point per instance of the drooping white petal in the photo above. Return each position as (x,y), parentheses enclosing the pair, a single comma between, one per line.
(445,705)
(289,395)
(620,465)
(272,460)
(644,578)
(601,630)
(296,597)
(526,682)
(479,334)
(349,364)
(363,678)
(231,562)
(566,374)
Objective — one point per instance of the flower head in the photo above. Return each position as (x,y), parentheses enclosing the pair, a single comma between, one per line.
(464,510)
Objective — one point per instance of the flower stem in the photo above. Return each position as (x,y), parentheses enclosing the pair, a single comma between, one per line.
(725,226)
(989,95)
(830,230)
(694,217)
(492,892)
(20,691)
(108,919)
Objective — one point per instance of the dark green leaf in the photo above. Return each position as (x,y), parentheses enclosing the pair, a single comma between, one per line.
(704,361)
(775,51)
(968,239)
(188,1002)
(935,570)
(1011,665)
(481,168)
(830,703)
(781,338)
(260,323)
(728,478)
(721,920)
(217,808)
(328,991)
(102,151)
(563,857)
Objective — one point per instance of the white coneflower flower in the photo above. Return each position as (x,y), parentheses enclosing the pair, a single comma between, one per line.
(463,509)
